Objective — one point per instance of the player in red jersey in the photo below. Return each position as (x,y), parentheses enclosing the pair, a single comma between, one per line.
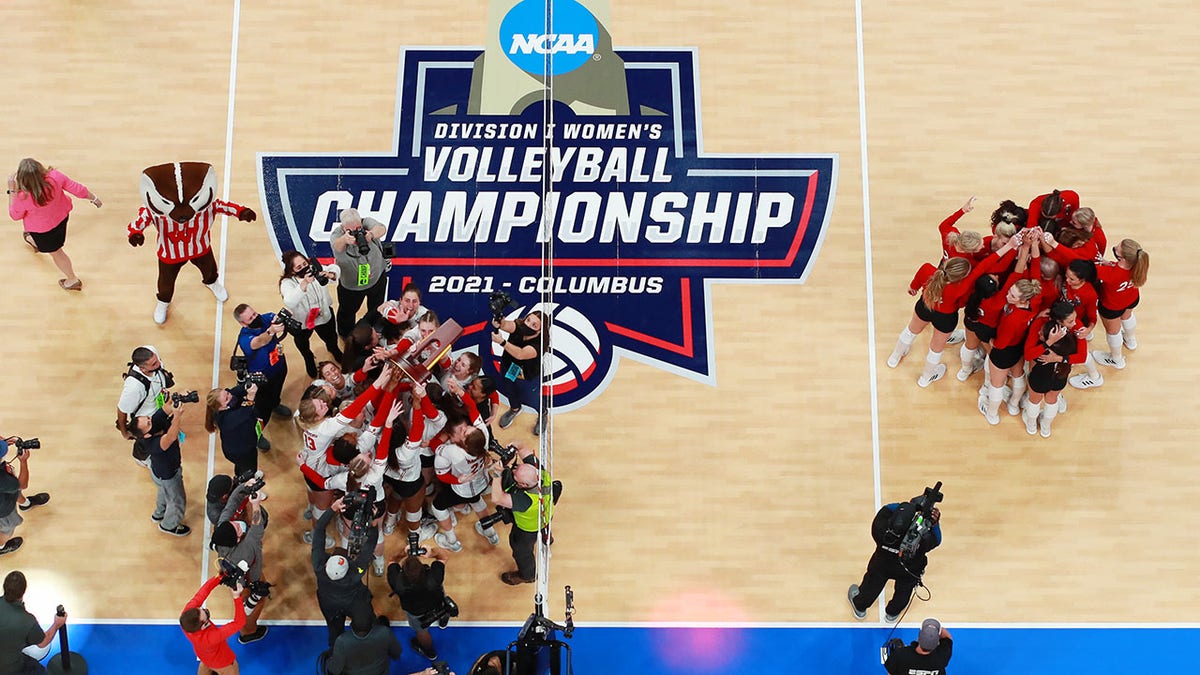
(1052,211)
(1054,343)
(1008,347)
(1119,283)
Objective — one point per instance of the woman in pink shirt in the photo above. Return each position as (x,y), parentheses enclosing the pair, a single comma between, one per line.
(37,196)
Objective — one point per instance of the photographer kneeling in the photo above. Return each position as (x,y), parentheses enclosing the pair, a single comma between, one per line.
(161,440)
(12,499)
(422,596)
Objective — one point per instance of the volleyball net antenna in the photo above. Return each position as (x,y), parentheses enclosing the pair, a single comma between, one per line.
(545,451)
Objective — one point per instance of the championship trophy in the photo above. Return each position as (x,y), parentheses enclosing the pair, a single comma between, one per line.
(418,360)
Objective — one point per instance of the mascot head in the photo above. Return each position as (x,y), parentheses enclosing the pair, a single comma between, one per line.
(179,190)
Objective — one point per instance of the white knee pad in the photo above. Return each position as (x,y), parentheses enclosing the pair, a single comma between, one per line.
(412,516)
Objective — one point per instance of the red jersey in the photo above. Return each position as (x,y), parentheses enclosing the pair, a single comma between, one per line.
(947,228)
(1084,298)
(180,242)
(1071,346)
(1116,289)
(1013,326)
(210,642)
(1070,200)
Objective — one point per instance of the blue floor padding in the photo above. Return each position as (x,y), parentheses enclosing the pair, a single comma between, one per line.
(111,648)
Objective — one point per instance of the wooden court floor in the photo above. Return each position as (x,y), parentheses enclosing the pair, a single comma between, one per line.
(747,501)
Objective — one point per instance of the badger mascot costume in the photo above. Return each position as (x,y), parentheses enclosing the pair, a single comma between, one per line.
(180,201)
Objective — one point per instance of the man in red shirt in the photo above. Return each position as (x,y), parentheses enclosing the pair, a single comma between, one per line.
(208,639)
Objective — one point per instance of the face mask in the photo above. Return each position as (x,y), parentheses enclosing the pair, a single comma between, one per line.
(257,323)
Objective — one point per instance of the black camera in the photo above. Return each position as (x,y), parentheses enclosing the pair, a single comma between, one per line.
(232,575)
(314,270)
(885,652)
(506,453)
(912,521)
(442,615)
(360,240)
(360,504)
(414,544)
(502,515)
(245,377)
(24,445)
(190,397)
(252,488)
(500,302)
(290,323)
(440,667)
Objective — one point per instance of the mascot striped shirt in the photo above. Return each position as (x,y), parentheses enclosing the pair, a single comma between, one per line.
(180,242)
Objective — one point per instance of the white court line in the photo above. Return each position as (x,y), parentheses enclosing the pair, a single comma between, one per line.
(216,371)
(867,260)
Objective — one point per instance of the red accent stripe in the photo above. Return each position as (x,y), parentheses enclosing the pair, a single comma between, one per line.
(685,349)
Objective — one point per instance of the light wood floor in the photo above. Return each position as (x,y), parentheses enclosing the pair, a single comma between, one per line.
(748,501)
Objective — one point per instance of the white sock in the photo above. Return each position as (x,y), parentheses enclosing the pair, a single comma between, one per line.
(1115,344)
(1090,364)
(449,535)
(903,343)
(1127,326)
(966,355)
(316,514)
(995,396)
(1049,413)
(1018,389)
(932,359)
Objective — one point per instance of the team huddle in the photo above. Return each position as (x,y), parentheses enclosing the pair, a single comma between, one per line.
(1031,295)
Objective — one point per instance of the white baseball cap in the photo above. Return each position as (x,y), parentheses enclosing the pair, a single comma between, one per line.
(336,567)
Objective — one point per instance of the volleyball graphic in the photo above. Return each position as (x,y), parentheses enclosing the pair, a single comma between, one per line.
(574,346)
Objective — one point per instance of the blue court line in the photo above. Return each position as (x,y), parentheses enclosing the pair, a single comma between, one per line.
(116,648)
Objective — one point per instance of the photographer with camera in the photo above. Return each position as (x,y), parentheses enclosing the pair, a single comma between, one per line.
(904,534)
(239,542)
(20,630)
(161,439)
(358,251)
(209,640)
(340,587)
(12,498)
(929,655)
(422,596)
(368,649)
(524,490)
(521,363)
(259,340)
(303,286)
(231,412)
(145,390)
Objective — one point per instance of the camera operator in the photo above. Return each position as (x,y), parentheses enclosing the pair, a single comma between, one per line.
(358,252)
(525,497)
(340,587)
(420,589)
(20,629)
(306,295)
(520,364)
(887,563)
(259,340)
(231,411)
(161,440)
(929,655)
(12,498)
(368,649)
(209,640)
(144,391)
(240,540)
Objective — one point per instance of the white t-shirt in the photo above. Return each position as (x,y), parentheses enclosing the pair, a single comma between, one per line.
(135,400)
(472,478)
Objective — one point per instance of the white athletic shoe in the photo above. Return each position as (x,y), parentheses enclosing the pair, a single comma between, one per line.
(969,369)
(160,312)
(377,566)
(1031,421)
(1130,341)
(983,408)
(1044,426)
(218,291)
(427,530)
(389,526)
(1106,358)
(896,357)
(956,337)
(1086,381)
(938,372)
(1014,409)
(441,540)
(493,538)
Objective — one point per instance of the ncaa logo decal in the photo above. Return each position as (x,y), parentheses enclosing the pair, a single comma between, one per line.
(642,219)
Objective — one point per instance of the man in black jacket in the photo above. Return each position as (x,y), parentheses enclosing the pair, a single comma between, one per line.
(340,588)
(929,655)
(890,562)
